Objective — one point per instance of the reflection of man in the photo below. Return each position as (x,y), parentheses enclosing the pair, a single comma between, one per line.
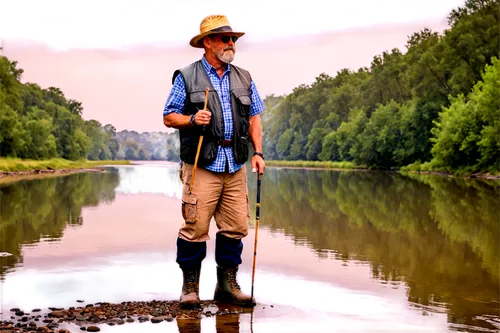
(228,323)
(220,187)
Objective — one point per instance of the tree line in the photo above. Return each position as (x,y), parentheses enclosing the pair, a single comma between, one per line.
(39,124)
(437,104)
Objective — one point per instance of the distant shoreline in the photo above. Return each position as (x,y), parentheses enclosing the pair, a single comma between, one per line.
(16,168)
(349,166)
(8,177)
(50,171)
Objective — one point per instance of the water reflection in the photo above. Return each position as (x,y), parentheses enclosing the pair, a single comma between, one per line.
(34,211)
(439,235)
(226,323)
(151,178)
(351,249)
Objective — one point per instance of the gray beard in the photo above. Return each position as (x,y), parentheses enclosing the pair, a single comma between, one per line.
(226,56)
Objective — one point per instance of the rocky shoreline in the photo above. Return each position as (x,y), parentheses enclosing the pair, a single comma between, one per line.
(48,171)
(89,316)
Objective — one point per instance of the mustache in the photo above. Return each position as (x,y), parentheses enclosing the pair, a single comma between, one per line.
(229,48)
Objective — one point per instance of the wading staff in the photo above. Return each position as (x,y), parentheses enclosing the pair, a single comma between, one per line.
(199,145)
(257,216)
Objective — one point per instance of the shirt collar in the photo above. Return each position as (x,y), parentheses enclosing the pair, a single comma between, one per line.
(209,68)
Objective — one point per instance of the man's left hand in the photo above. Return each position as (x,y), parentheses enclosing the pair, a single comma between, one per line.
(258,164)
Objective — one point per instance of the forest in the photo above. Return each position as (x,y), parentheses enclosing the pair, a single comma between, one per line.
(433,106)
(40,124)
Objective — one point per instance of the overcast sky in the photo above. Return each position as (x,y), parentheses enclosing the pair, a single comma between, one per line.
(287,43)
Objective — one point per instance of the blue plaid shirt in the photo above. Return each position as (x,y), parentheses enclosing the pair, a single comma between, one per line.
(177,97)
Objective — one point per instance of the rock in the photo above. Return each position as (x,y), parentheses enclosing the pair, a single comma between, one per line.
(19,313)
(57,314)
(156,320)
(93,329)
(53,325)
(15,309)
(36,310)
(80,300)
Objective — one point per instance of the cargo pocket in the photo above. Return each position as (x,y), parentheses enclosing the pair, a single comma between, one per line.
(189,207)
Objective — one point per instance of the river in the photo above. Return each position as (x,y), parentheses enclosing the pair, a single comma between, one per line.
(338,251)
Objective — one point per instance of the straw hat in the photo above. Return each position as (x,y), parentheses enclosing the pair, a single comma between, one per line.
(214,24)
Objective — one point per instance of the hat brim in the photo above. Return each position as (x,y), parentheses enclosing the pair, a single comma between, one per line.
(196,40)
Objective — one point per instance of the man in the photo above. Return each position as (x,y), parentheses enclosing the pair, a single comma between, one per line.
(220,190)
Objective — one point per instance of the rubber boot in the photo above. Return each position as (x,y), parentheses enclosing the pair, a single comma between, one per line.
(228,290)
(190,289)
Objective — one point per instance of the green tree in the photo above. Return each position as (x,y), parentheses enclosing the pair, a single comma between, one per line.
(43,123)
(401,95)
(467,132)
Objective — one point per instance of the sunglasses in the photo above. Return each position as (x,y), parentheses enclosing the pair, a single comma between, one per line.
(225,39)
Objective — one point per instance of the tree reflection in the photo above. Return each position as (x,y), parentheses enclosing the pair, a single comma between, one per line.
(42,208)
(439,235)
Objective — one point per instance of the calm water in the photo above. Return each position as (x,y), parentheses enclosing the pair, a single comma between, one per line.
(337,251)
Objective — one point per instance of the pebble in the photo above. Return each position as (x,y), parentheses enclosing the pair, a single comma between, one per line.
(90,315)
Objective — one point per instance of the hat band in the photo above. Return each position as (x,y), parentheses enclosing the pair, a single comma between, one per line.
(225,28)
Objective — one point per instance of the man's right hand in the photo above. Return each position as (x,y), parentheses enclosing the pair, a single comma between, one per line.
(202,117)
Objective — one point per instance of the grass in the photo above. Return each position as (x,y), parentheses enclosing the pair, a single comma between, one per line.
(314,164)
(18,165)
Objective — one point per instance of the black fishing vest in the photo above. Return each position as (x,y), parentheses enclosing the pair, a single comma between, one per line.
(196,81)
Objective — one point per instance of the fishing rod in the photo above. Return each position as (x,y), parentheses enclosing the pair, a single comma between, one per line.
(257,217)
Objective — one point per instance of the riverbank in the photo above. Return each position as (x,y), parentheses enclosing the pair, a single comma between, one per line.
(20,167)
(17,167)
(409,169)
(429,168)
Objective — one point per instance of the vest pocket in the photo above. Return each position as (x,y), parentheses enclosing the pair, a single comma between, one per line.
(241,150)
(189,202)
(197,97)
(188,149)
(243,101)
(243,97)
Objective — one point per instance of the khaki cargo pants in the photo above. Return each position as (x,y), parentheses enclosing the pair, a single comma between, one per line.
(223,196)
